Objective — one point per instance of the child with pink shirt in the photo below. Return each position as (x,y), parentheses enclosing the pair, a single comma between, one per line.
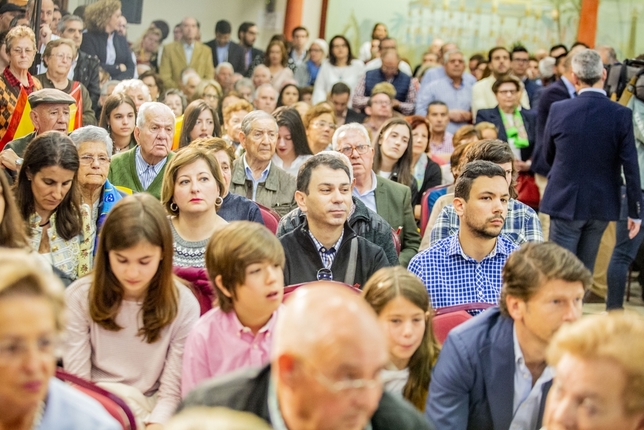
(245,263)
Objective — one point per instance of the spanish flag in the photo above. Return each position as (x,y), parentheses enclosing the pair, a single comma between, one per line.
(76,111)
(178,125)
(20,123)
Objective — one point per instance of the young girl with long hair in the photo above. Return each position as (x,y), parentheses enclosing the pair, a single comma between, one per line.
(128,320)
(400,299)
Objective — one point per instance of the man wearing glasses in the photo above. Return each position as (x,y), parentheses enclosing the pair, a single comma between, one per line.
(387,198)
(325,376)
(325,247)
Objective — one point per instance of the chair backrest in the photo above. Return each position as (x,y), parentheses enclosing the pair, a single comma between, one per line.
(113,404)
(445,319)
(426,209)
(270,217)
(396,239)
(196,279)
(289,289)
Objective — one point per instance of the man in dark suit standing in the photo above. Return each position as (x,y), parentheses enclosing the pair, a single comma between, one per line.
(492,372)
(588,141)
(247,34)
(225,50)
(323,375)
(561,89)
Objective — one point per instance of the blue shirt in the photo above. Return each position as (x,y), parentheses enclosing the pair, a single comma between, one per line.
(188,50)
(453,278)
(455,98)
(570,87)
(521,224)
(250,177)
(369,196)
(430,76)
(222,53)
(147,172)
(327,255)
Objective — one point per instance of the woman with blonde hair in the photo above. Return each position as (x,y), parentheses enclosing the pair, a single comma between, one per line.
(101,21)
(400,299)
(209,91)
(129,319)
(32,310)
(192,193)
(147,47)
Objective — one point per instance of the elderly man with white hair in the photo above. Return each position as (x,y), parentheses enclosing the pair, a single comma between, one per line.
(136,89)
(142,167)
(265,98)
(254,175)
(324,375)
(98,195)
(387,198)
(224,75)
(589,142)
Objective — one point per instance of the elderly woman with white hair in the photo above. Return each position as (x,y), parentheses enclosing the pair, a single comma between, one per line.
(136,89)
(306,73)
(98,196)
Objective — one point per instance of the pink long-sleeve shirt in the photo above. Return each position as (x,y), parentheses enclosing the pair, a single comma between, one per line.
(100,355)
(219,344)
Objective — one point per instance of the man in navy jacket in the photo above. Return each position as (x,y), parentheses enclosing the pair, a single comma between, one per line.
(491,373)
(588,141)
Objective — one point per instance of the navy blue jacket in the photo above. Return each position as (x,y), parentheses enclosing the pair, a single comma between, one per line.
(95,43)
(529,122)
(531,88)
(587,141)
(401,83)
(473,381)
(554,92)
(235,55)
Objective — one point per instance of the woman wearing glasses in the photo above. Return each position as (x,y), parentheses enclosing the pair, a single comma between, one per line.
(98,196)
(20,45)
(58,57)
(341,67)
(319,122)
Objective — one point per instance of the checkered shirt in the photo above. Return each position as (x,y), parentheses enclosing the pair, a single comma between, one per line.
(453,278)
(327,255)
(521,225)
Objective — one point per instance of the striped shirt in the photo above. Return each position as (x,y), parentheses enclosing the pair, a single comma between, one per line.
(147,172)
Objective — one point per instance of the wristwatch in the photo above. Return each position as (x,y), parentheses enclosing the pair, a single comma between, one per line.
(19,162)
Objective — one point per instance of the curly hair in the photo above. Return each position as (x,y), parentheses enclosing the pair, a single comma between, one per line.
(98,14)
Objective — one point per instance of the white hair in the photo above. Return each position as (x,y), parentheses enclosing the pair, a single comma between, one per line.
(152,107)
(348,127)
(186,74)
(256,115)
(265,86)
(133,84)
(224,65)
(587,66)
(91,133)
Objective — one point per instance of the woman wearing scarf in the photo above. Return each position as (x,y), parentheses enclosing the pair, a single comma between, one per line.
(94,147)
(517,127)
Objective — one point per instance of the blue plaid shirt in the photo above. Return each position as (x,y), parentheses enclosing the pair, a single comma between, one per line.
(453,278)
(521,225)
(327,255)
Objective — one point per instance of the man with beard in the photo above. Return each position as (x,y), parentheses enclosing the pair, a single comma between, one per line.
(466,267)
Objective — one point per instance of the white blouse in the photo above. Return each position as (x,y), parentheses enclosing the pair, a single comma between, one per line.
(330,75)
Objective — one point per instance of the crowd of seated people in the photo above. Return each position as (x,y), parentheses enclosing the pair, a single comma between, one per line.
(213,233)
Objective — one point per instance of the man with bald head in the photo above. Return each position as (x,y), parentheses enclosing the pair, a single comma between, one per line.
(142,167)
(184,53)
(324,375)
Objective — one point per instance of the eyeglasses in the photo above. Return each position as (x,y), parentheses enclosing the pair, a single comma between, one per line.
(13,350)
(347,385)
(20,51)
(324,124)
(360,149)
(507,92)
(381,102)
(210,96)
(63,57)
(90,159)
(325,274)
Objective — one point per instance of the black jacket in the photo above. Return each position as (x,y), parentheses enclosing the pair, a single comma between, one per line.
(303,260)
(364,222)
(247,390)
(235,55)
(86,72)
(95,43)
(433,178)
(353,116)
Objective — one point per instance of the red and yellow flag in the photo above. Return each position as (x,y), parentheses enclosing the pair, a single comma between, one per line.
(76,111)
(20,123)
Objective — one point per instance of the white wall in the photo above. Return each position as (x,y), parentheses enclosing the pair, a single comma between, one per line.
(208,12)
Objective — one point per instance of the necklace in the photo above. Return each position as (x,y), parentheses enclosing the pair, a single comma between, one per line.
(45,224)
(38,417)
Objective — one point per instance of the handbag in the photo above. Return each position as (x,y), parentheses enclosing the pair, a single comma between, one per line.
(527,190)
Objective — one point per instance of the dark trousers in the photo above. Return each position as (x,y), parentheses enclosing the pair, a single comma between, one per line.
(580,237)
(623,255)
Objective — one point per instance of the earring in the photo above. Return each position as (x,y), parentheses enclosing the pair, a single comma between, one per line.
(109,128)
(174,207)
(218,201)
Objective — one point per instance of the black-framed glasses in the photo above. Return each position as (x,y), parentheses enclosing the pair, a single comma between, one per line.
(325,274)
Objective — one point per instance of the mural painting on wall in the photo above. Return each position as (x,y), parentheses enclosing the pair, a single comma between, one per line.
(476,25)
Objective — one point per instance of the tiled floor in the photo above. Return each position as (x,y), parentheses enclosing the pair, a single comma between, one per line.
(634,304)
